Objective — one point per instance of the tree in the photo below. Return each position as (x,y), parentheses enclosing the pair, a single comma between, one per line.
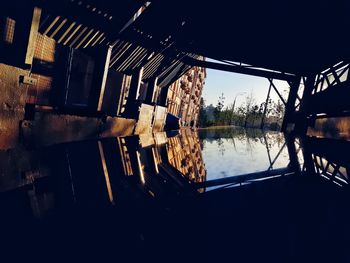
(231,113)
(218,109)
(203,117)
(279,110)
(221,102)
(249,102)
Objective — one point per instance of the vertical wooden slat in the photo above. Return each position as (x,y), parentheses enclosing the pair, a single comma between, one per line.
(105,172)
(104,78)
(32,36)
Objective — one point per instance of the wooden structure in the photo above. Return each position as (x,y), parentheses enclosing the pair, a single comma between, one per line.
(113,62)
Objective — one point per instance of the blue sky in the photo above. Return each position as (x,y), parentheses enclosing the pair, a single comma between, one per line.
(230,84)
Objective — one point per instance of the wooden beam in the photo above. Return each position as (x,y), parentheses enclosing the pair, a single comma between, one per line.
(32,36)
(104,78)
(301,121)
(290,109)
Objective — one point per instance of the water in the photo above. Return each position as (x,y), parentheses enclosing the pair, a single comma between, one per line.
(207,195)
(199,157)
(235,151)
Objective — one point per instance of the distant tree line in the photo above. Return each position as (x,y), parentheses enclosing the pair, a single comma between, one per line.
(249,114)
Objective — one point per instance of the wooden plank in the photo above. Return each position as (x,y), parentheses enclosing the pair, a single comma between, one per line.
(32,36)
(104,78)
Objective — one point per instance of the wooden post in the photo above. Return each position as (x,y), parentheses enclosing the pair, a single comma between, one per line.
(32,36)
(104,78)
(135,85)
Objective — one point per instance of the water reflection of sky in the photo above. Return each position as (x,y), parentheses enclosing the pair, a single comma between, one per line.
(229,152)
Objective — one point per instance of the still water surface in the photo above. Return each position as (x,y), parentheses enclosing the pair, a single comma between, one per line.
(234,151)
(148,198)
(157,164)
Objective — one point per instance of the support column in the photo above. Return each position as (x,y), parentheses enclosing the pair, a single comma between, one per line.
(301,122)
(290,109)
(293,154)
(309,166)
(104,78)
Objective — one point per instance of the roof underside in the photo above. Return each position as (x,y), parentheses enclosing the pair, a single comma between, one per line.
(293,36)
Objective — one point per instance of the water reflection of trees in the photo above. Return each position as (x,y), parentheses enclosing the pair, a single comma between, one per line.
(229,132)
(221,146)
(250,137)
(275,138)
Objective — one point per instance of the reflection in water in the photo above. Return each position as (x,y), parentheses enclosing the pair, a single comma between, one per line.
(185,154)
(162,165)
(151,191)
(328,158)
(235,151)
(93,172)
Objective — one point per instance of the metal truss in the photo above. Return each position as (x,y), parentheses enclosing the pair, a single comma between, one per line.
(331,171)
(240,68)
(309,87)
(236,67)
(331,77)
(293,168)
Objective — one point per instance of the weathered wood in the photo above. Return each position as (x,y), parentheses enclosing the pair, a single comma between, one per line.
(144,122)
(104,78)
(159,118)
(33,35)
